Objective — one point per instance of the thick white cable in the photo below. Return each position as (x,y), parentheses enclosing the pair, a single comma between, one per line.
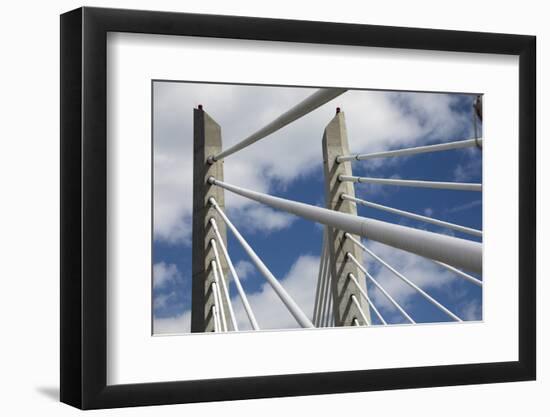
(460,253)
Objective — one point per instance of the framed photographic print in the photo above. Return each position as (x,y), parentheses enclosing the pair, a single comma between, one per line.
(257,207)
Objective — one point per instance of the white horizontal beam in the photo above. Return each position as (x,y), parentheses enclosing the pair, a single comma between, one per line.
(426,219)
(461,253)
(412,151)
(457,186)
(287,300)
(306,106)
(402,277)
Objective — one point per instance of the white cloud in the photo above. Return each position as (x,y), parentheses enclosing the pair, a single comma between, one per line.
(161,300)
(270,312)
(464,207)
(178,324)
(375,121)
(300,283)
(472,311)
(244,269)
(428,211)
(173,133)
(164,273)
(255,217)
(470,168)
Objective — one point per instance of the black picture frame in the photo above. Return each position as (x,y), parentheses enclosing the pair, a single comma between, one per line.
(84,207)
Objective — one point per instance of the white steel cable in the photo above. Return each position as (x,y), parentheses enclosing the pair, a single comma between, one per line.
(457,186)
(318,289)
(287,300)
(358,306)
(411,151)
(460,273)
(383,291)
(402,277)
(218,297)
(240,290)
(330,307)
(216,319)
(325,292)
(366,297)
(317,305)
(317,99)
(414,216)
(224,286)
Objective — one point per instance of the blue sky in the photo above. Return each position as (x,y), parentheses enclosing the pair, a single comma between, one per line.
(290,246)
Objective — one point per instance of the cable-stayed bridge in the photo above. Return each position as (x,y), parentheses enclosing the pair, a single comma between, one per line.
(341,294)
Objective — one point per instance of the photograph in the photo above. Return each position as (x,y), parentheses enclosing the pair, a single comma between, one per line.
(259,207)
(281,207)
